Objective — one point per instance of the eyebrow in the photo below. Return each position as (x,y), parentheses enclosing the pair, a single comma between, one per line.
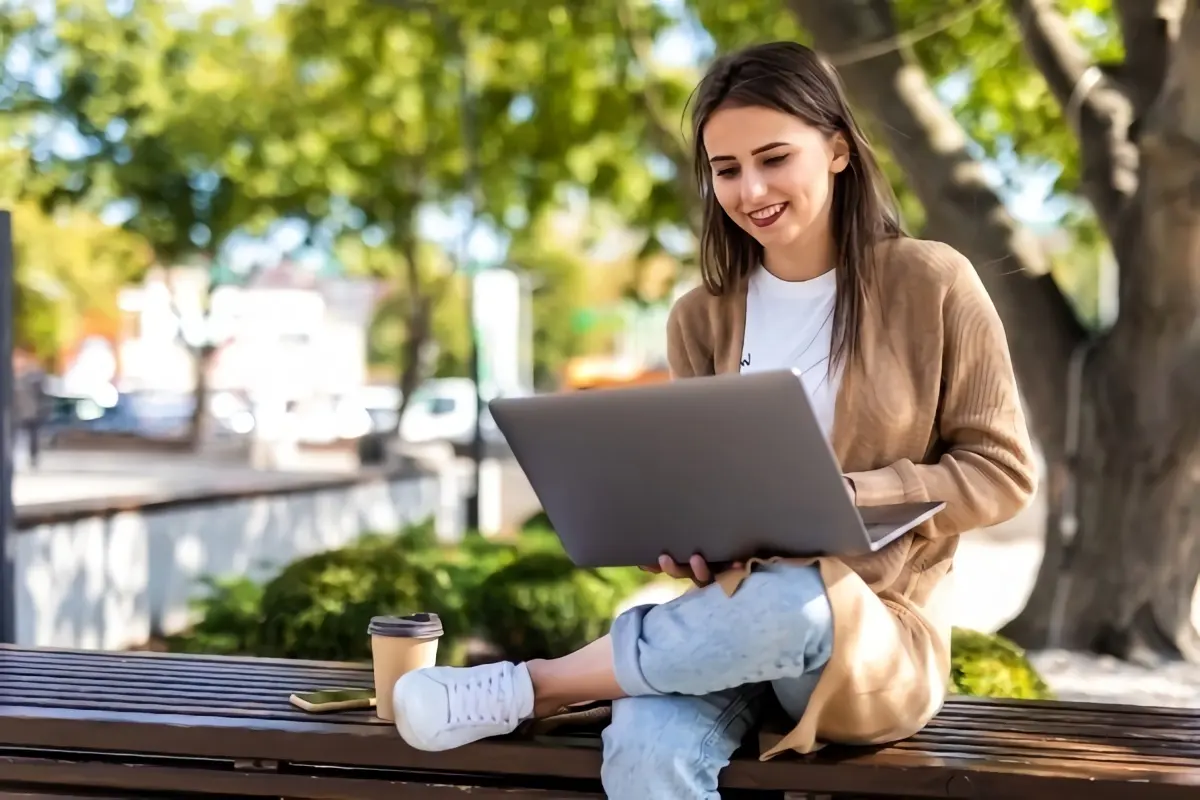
(753,152)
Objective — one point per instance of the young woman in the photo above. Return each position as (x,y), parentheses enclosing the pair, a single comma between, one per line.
(905,360)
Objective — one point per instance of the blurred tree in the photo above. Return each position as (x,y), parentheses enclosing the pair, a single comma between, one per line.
(146,102)
(1107,91)
(372,138)
(363,135)
(69,266)
(559,273)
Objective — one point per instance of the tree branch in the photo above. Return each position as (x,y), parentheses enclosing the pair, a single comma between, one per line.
(1148,29)
(667,141)
(961,209)
(1096,108)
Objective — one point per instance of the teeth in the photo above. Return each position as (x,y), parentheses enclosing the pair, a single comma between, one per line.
(770,211)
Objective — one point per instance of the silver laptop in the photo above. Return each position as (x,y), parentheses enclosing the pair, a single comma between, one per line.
(729,466)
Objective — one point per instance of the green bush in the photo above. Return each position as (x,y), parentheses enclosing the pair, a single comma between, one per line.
(541,605)
(319,607)
(986,665)
(521,595)
(537,522)
(230,613)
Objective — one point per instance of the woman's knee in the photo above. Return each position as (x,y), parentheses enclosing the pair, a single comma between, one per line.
(800,587)
(778,624)
(793,599)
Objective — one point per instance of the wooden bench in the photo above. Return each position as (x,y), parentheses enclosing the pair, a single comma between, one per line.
(126,725)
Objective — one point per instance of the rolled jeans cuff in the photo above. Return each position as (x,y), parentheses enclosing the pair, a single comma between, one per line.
(626,635)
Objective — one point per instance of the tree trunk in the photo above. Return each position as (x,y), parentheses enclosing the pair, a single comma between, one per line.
(1132,570)
(1123,583)
(198,426)
(1038,620)
(423,295)
(1123,544)
(416,344)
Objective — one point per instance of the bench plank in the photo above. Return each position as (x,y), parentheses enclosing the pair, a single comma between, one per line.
(65,774)
(195,719)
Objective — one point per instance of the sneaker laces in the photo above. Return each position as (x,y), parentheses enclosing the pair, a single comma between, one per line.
(480,699)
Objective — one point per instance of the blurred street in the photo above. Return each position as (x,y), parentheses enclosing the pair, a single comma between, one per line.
(68,476)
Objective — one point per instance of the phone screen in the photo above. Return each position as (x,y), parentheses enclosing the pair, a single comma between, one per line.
(324,696)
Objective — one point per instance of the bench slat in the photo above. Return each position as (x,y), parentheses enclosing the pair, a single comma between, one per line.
(67,774)
(153,705)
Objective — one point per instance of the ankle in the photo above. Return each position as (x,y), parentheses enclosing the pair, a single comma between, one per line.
(545,701)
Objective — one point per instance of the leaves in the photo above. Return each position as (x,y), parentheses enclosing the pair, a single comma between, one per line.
(197,125)
(68,269)
(154,100)
(1001,100)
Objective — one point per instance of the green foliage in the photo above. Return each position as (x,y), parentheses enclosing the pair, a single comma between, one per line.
(160,96)
(987,665)
(230,613)
(542,606)
(374,133)
(521,595)
(203,122)
(69,267)
(560,289)
(998,96)
(319,606)
(538,522)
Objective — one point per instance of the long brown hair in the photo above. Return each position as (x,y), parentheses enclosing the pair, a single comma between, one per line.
(791,78)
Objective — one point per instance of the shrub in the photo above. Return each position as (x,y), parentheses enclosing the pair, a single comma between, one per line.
(230,613)
(541,605)
(319,607)
(987,665)
(522,596)
(539,521)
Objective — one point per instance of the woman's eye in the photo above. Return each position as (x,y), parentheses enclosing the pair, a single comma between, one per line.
(728,172)
(775,160)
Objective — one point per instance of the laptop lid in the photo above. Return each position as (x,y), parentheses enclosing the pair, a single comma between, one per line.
(886,524)
(728,466)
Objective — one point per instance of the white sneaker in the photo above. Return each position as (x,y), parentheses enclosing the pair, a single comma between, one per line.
(440,708)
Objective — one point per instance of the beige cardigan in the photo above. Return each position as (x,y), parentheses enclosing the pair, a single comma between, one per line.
(931,413)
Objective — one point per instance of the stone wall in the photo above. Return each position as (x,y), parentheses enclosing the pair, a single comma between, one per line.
(90,575)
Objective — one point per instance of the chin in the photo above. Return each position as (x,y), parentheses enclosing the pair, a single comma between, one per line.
(777,235)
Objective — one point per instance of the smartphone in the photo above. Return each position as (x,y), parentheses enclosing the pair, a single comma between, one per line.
(334,699)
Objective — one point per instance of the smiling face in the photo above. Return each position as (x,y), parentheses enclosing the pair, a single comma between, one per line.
(773,173)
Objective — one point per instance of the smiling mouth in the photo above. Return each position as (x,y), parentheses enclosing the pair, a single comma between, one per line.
(765,217)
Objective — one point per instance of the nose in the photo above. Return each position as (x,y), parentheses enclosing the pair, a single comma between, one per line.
(754,189)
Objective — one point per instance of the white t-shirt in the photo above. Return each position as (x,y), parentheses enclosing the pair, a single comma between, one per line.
(790,324)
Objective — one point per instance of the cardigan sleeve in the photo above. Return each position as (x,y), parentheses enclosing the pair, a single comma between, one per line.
(687,355)
(986,473)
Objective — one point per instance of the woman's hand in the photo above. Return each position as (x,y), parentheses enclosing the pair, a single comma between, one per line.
(696,570)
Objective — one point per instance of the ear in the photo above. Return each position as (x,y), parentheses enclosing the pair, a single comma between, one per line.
(841,152)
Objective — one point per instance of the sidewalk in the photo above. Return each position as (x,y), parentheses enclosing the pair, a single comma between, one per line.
(65,476)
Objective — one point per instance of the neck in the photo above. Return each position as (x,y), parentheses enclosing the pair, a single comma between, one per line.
(801,260)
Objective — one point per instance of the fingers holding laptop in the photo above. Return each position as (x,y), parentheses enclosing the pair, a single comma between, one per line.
(697,570)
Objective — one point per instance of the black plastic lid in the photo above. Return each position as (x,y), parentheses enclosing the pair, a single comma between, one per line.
(413,626)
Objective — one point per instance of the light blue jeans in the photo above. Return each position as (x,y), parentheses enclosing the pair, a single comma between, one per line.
(695,670)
